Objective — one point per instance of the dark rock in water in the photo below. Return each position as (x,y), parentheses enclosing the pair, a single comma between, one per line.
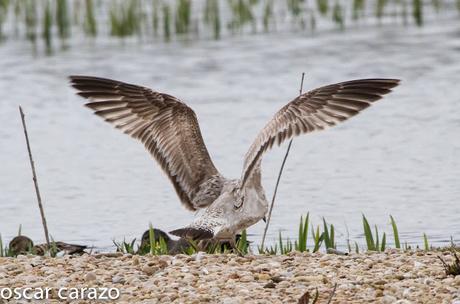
(21,245)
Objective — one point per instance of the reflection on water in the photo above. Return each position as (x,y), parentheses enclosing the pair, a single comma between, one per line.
(53,25)
(400,157)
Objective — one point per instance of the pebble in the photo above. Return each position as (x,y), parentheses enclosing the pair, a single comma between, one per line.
(457,280)
(388,299)
(394,277)
(118,280)
(90,276)
(149,270)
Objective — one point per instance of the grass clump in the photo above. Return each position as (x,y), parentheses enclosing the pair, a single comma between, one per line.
(47,25)
(329,236)
(125,18)
(90,25)
(212,17)
(372,240)
(183,16)
(62,19)
(417,12)
(337,15)
(167,22)
(452,268)
(301,243)
(323,6)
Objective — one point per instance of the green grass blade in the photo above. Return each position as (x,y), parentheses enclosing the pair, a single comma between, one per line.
(151,239)
(327,239)
(280,240)
(384,241)
(242,243)
(377,240)
(395,232)
(300,246)
(425,242)
(1,246)
(332,237)
(368,235)
(305,230)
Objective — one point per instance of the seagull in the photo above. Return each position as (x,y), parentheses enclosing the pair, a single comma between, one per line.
(169,130)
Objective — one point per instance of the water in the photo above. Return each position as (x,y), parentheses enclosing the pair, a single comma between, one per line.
(400,157)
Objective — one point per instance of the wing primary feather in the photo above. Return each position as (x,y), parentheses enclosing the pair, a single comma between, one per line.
(315,110)
(167,127)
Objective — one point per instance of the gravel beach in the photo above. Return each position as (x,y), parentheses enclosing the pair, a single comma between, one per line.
(389,277)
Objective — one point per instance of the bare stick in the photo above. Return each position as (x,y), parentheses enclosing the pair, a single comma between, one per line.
(34,175)
(279,177)
(332,294)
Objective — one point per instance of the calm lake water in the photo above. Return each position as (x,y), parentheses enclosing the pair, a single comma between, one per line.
(400,157)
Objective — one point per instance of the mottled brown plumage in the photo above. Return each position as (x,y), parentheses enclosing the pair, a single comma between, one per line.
(315,110)
(167,127)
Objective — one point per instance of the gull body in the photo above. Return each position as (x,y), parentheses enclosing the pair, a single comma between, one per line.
(169,130)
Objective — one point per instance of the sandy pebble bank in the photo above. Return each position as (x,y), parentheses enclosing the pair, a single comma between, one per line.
(390,277)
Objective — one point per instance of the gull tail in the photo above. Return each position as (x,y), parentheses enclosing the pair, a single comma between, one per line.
(193,233)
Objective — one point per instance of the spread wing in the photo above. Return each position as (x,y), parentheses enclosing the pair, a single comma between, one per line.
(315,110)
(166,126)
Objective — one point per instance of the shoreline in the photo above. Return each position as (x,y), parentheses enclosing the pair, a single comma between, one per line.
(389,277)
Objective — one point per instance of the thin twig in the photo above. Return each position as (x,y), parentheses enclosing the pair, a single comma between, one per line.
(332,294)
(34,175)
(279,177)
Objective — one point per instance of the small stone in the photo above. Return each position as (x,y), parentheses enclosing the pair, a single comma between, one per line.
(90,276)
(277,279)
(388,299)
(247,278)
(263,276)
(234,276)
(135,260)
(198,256)
(11,267)
(418,265)
(118,280)
(284,284)
(149,270)
(428,281)
(270,285)
(457,280)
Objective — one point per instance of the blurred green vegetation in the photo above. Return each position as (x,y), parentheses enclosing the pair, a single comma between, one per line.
(166,20)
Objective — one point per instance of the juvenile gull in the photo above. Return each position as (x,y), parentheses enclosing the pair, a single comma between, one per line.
(181,245)
(21,244)
(170,132)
